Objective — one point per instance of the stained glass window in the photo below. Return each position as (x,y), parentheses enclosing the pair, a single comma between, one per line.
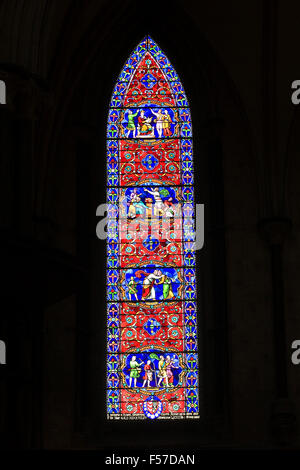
(152,353)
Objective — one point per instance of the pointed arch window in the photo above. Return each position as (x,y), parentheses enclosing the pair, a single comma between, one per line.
(2,92)
(152,354)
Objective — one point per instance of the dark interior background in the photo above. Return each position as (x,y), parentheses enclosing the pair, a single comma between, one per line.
(60,60)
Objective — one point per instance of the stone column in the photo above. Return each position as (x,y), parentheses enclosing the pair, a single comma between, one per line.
(274,231)
(25,98)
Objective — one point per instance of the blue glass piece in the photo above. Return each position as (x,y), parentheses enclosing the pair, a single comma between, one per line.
(191,379)
(192,400)
(191,344)
(112,345)
(113,116)
(186,130)
(116,101)
(113,313)
(112,363)
(112,195)
(112,180)
(113,380)
(112,131)
(112,293)
(188,195)
(187,178)
(112,276)
(192,361)
(113,262)
(151,243)
(152,326)
(112,211)
(190,311)
(184,115)
(150,162)
(149,80)
(190,292)
(189,276)
(188,210)
(187,164)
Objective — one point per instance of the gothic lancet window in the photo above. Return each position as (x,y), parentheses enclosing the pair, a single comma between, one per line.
(152,354)
(2,92)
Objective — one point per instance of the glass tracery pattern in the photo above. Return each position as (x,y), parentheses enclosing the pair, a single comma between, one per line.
(152,354)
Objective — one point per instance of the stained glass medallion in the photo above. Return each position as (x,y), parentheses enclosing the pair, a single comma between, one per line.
(152,351)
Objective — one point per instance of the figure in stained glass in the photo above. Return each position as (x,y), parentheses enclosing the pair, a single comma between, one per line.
(148,377)
(131,128)
(167,286)
(162,371)
(170,364)
(146,129)
(132,290)
(166,123)
(159,121)
(169,209)
(158,205)
(135,370)
(148,292)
